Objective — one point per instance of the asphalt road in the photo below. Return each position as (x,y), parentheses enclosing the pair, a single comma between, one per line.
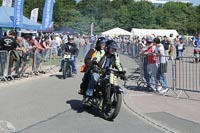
(50,104)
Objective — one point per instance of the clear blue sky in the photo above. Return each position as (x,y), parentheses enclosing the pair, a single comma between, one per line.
(195,2)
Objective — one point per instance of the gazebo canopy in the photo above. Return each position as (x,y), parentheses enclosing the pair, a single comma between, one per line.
(7,15)
(117,32)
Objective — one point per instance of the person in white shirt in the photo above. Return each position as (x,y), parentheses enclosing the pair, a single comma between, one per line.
(162,67)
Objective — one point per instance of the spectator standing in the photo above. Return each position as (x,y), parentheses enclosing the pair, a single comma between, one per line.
(151,65)
(162,67)
(54,47)
(180,49)
(172,48)
(81,48)
(9,43)
(77,41)
(166,44)
(59,43)
(196,44)
(47,46)
(25,54)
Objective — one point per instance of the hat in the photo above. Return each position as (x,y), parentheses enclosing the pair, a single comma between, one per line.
(12,32)
(56,34)
(149,40)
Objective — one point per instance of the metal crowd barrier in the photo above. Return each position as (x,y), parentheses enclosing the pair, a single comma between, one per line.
(51,63)
(187,75)
(4,65)
(182,74)
(146,68)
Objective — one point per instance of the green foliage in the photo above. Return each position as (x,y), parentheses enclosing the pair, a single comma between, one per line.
(125,14)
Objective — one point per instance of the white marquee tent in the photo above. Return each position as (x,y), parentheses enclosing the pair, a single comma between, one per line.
(117,32)
(156,32)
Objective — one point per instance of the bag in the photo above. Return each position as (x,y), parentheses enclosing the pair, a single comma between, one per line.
(163,67)
(83,67)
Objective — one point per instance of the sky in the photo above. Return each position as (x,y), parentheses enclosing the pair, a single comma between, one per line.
(195,2)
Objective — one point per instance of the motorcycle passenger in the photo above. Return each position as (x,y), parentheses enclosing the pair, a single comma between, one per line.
(70,47)
(100,45)
(104,59)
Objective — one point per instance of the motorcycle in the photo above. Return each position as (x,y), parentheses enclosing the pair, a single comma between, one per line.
(107,95)
(67,68)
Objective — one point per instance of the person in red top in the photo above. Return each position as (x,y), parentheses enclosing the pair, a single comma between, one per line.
(151,65)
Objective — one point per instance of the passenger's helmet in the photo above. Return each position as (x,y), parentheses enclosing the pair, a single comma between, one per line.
(100,41)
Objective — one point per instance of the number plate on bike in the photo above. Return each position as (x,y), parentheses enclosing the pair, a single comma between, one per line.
(67,56)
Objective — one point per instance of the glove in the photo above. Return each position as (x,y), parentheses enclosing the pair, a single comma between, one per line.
(123,77)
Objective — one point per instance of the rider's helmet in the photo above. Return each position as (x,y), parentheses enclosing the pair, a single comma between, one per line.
(111,44)
(71,38)
(100,41)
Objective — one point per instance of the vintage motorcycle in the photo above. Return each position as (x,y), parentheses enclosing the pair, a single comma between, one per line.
(67,68)
(107,95)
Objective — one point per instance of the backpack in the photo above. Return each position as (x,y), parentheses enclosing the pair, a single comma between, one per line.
(83,67)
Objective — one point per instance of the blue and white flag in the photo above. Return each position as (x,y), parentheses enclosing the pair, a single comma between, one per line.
(47,14)
(7,3)
(34,14)
(18,13)
(92,29)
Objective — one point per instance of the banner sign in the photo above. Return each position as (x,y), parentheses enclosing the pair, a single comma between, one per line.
(7,3)
(18,13)
(34,14)
(47,14)
(91,29)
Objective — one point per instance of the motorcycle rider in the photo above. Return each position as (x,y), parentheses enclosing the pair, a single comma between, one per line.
(70,47)
(104,59)
(100,45)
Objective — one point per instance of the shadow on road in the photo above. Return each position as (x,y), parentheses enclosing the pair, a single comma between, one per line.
(58,76)
(76,105)
(79,108)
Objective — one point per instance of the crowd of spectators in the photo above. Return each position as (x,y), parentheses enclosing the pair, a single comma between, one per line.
(32,51)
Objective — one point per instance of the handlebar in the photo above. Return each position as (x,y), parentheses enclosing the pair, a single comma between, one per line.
(117,73)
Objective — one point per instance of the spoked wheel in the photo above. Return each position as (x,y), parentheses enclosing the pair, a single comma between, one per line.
(69,74)
(64,70)
(69,69)
(111,110)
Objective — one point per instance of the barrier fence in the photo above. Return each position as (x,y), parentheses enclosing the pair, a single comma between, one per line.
(182,74)
(3,64)
(33,59)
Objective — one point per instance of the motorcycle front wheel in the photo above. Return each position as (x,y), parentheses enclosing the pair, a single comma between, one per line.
(65,70)
(111,110)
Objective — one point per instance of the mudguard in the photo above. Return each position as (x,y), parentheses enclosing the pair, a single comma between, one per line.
(118,89)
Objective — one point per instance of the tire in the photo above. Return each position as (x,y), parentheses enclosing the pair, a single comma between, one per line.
(65,70)
(116,105)
(69,72)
